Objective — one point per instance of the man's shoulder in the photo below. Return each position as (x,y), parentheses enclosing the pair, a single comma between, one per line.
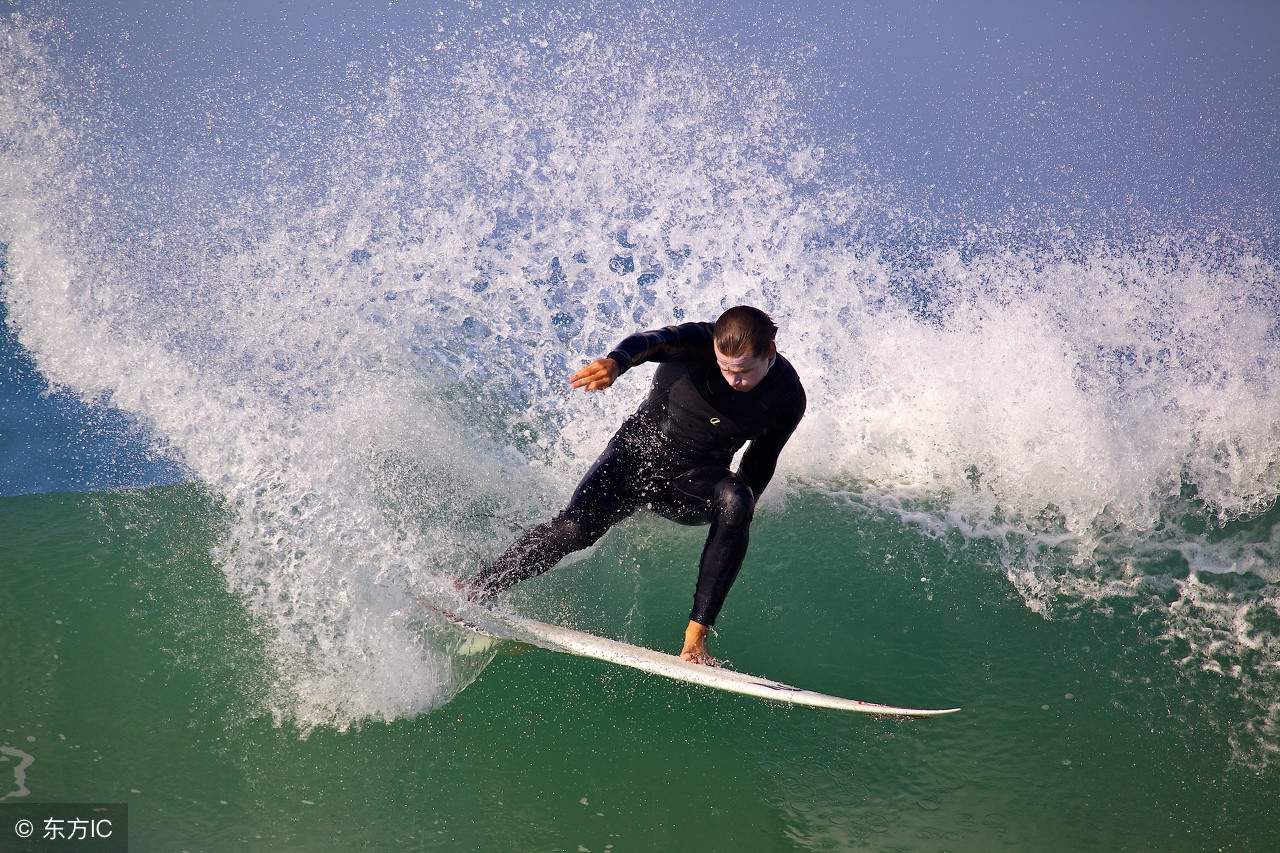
(685,333)
(788,373)
(691,341)
(792,401)
(697,330)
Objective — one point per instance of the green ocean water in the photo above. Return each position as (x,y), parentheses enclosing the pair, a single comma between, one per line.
(130,674)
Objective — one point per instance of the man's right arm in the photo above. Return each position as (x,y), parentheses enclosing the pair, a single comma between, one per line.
(671,343)
(666,344)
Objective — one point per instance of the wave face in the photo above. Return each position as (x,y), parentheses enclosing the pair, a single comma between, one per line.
(349,309)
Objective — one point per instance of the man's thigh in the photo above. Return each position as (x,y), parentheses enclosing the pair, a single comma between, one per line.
(690,497)
(613,488)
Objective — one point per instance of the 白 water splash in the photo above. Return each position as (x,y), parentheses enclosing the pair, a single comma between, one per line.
(367,356)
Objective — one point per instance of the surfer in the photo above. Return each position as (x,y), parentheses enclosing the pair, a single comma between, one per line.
(718,386)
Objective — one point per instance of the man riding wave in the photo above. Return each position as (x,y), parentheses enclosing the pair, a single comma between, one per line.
(718,386)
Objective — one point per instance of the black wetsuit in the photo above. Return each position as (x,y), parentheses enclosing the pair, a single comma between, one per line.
(673,456)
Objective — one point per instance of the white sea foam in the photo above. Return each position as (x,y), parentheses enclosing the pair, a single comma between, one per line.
(370,366)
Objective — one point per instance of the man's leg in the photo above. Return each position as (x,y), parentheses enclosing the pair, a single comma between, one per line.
(724,498)
(606,495)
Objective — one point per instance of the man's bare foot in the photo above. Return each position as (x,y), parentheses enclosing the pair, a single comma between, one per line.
(471,591)
(695,645)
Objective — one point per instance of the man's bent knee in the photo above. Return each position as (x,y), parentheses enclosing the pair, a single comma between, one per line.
(735,503)
(573,533)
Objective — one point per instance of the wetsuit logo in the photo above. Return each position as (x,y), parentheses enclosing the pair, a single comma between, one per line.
(715,421)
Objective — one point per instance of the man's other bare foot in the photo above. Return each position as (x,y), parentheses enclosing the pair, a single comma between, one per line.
(472,591)
(695,645)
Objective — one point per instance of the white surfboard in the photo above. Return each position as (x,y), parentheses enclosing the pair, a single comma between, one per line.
(510,627)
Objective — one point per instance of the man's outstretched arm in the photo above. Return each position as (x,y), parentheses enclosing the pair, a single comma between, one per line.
(665,344)
(669,343)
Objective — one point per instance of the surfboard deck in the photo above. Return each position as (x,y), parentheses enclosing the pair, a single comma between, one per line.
(555,638)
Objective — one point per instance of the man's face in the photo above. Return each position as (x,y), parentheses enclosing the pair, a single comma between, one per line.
(744,372)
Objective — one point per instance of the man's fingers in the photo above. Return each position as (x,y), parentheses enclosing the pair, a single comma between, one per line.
(584,376)
(589,378)
(596,376)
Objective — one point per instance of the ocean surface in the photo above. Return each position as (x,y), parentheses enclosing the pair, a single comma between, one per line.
(289,295)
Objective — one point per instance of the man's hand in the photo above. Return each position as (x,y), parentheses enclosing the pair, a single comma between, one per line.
(695,644)
(596,376)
